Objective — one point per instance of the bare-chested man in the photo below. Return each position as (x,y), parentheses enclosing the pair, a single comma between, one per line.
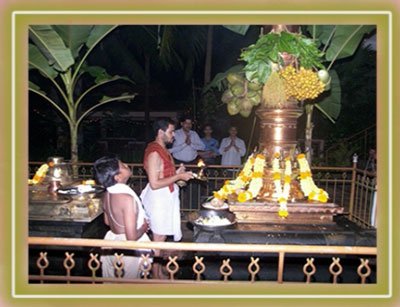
(161,195)
(123,212)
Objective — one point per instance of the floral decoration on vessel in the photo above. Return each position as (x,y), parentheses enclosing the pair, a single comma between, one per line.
(307,184)
(281,194)
(256,182)
(249,182)
(232,186)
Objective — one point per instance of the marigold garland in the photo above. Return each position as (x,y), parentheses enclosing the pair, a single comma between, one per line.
(40,174)
(307,183)
(250,181)
(232,186)
(282,195)
(256,182)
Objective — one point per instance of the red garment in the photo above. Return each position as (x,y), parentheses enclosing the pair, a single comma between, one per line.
(168,161)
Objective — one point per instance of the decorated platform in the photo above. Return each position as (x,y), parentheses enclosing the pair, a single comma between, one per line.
(300,212)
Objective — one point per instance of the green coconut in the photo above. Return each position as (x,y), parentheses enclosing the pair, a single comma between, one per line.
(234,78)
(254,86)
(245,104)
(227,96)
(245,113)
(255,100)
(251,93)
(232,108)
(235,100)
(324,76)
(238,89)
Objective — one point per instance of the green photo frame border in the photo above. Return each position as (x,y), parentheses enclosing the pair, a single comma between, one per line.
(18,140)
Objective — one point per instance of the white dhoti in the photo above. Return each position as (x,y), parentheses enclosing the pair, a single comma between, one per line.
(131,268)
(162,208)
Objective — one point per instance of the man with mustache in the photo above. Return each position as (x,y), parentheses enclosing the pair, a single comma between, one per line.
(161,195)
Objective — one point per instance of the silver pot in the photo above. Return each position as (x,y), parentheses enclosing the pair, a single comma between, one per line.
(59,171)
(210,213)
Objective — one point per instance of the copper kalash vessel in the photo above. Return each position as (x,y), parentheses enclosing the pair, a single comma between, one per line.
(278,135)
(278,114)
(278,129)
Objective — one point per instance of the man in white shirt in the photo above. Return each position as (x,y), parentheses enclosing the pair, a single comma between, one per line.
(187,143)
(232,149)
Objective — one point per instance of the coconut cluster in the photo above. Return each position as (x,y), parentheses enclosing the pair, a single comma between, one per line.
(241,95)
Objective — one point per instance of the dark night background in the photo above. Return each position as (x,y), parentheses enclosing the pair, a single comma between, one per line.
(177,87)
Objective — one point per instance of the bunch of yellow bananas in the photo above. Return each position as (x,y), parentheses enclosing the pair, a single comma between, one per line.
(301,84)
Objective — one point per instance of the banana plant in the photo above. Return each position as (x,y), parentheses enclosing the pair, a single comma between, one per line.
(60,54)
(336,42)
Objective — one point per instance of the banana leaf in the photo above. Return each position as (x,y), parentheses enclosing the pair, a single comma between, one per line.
(330,105)
(346,40)
(340,41)
(74,36)
(97,72)
(321,34)
(239,29)
(52,46)
(38,61)
(97,34)
(35,87)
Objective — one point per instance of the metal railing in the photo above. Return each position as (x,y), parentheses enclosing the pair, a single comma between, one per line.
(349,187)
(363,211)
(361,142)
(197,268)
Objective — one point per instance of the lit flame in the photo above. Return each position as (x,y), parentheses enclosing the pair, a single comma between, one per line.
(201,163)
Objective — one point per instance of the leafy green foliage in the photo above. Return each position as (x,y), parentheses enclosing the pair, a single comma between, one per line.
(182,47)
(73,37)
(52,46)
(35,87)
(97,34)
(358,80)
(38,61)
(339,41)
(60,54)
(346,40)
(98,73)
(267,51)
(330,103)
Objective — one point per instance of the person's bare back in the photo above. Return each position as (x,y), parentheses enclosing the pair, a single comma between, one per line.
(120,213)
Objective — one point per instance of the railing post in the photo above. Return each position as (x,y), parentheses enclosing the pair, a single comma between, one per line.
(281,264)
(353,185)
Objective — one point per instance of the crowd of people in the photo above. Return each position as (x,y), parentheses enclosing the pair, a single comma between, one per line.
(188,146)
(156,214)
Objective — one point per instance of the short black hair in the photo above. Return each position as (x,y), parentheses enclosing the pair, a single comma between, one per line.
(105,169)
(162,123)
(186,117)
